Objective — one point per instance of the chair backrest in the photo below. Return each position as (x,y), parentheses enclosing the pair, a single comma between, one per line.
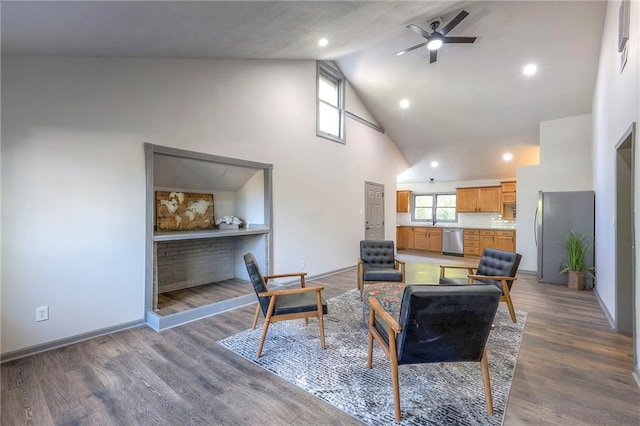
(377,253)
(498,263)
(445,323)
(257,280)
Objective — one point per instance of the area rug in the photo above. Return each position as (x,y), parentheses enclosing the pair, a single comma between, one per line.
(430,394)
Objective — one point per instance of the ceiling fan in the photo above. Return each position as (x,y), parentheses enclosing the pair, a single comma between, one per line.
(436,38)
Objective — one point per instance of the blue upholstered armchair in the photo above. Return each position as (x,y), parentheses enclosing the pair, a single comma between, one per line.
(284,304)
(497,267)
(377,263)
(437,324)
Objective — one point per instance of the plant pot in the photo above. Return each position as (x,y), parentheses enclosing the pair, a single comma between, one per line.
(575,280)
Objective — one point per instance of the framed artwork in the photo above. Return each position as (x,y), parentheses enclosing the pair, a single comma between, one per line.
(183,211)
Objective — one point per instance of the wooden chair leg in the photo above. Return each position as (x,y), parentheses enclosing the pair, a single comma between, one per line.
(255,317)
(393,358)
(370,339)
(507,298)
(487,382)
(320,319)
(265,327)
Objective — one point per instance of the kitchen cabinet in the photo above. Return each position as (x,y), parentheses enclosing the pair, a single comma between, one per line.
(403,201)
(434,236)
(476,240)
(471,242)
(505,240)
(487,240)
(508,200)
(404,237)
(421,238)
(484,199)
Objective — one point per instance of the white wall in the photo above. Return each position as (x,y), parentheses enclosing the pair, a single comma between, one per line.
(615,107)
(250,206)
(565,165)
(465,220)
(73,176)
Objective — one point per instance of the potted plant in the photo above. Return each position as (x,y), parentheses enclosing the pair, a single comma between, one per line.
(577,247)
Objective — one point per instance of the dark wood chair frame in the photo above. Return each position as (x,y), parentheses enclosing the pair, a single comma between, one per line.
(273,294)
(471,270)
(397,263)
(391,351)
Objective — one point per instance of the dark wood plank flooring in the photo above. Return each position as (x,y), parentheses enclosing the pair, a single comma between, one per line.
(175,301)
(572,370)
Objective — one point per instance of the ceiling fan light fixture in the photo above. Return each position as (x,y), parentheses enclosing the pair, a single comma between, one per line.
(434,44)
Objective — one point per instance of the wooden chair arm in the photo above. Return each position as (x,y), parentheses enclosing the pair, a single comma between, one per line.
(492,278)
(400,261)
(375,306)
(457,267)
(290,291)
(292,274)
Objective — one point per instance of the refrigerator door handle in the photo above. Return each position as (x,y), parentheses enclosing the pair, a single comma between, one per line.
(535,227)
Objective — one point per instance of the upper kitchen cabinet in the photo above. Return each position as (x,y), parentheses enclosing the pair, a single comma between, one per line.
(403,201)
(484,199)
(509,200)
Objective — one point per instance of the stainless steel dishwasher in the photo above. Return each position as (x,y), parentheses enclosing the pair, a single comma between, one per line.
(452,240)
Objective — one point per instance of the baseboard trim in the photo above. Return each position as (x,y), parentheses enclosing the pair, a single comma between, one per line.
(32,350)
(163,322)
(607,314)
(636,375)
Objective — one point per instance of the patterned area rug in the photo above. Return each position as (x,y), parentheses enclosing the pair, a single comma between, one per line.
(430,394)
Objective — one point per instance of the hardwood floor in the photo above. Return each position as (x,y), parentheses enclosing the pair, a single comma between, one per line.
(572,370)
(181,300)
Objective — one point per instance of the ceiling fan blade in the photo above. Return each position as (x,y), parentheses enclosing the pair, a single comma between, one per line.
(459,39)
(433,56)
(417,46)
(416,29)
(455,21)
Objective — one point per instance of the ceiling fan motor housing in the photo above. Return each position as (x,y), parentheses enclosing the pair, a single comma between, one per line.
(436,22)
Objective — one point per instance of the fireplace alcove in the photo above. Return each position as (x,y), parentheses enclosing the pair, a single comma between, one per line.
(183,259)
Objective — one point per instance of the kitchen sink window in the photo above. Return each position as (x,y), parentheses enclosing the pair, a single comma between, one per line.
(434,208)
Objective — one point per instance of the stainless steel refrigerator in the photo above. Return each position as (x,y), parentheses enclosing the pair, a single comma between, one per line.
(556,214)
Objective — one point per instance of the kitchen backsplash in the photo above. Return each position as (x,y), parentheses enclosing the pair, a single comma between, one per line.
(465,220)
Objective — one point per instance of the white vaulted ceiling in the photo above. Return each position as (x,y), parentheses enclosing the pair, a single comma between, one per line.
(468,108)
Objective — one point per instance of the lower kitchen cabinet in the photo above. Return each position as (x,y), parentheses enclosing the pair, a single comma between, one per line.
(506,240)
(471,244)
(476,240)
(419,238)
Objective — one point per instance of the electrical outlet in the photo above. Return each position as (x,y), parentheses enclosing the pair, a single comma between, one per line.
(42,313)
(302,264)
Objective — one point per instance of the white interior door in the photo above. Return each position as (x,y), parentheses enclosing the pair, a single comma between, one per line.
(374,211)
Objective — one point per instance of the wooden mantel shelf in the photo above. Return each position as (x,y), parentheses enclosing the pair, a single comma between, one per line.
(213,233)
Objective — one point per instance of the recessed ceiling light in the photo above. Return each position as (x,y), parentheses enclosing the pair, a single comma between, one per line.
(530,69)
(323,42)
(434,164)
(507,156)
(404,103)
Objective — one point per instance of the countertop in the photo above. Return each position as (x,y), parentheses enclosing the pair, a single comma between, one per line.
(492,228)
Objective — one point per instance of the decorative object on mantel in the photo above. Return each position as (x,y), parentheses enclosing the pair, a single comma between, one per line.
(228,222)
(183,211)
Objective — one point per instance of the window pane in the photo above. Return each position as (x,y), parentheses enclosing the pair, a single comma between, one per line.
(423,213)
(328,91)
(328,119)
(446,213)
(446,200)
(424,201)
